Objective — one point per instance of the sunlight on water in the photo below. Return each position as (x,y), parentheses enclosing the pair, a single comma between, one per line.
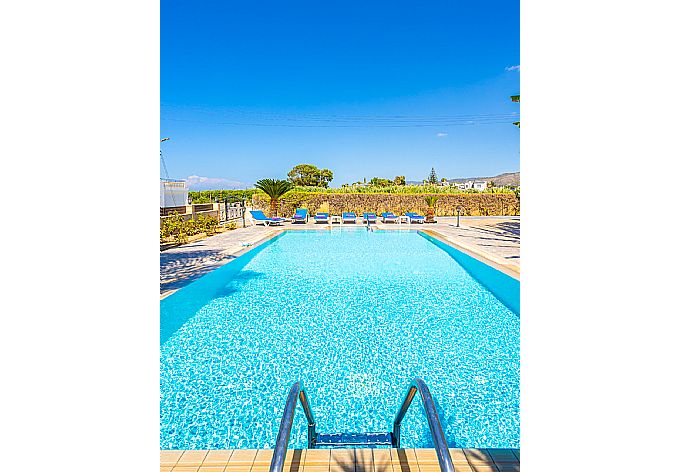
(353,314)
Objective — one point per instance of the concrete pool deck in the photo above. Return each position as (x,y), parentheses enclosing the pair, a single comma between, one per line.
(494,240)
(340,460)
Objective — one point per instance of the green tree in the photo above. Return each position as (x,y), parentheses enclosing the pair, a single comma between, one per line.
(275,189)
(308,175)
(377,182)
(399,180)
(433,180)
(325,177)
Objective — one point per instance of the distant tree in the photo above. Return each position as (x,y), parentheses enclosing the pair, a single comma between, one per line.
(275,189)
(433,180)
(399,180)
(308,175)
(443,179)
(376,182)
(325,177)
(491,184)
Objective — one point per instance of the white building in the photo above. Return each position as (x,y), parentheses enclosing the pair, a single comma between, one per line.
(480,185)
(174,193)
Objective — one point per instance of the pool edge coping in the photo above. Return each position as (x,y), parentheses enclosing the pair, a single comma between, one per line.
(232,256)
(476,253)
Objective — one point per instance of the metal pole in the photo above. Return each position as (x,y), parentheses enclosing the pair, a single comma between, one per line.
(458,224)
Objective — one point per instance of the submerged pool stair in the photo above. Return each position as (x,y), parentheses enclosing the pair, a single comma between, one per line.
(366,439)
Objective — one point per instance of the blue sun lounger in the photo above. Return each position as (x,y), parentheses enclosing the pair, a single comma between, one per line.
(415,217)
(369,217)
(301,216)
(349,217)
(389,217)
(321,217)
(259,218)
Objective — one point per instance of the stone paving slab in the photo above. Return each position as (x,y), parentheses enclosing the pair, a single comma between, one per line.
(352,460)
(496,236)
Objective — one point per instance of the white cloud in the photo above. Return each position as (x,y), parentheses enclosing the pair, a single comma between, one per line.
(441,135)
(196,182)
(512,68)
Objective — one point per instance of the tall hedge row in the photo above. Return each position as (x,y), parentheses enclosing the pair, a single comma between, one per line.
(471,204)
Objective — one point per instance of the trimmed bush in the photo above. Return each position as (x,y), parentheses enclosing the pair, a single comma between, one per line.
(471,204)
(175,228)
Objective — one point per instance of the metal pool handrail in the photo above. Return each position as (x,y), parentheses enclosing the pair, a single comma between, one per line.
(440,444)
(297,391)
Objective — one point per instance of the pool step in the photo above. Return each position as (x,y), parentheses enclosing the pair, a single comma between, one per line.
(334,440)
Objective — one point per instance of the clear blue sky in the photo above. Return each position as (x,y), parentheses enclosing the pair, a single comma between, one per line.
(366,89)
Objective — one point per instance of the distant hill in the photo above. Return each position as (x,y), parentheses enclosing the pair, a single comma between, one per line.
(509,178)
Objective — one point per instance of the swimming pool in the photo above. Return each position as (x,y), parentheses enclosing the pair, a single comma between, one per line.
(355,315)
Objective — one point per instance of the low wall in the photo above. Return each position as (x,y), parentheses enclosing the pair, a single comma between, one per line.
(472,204)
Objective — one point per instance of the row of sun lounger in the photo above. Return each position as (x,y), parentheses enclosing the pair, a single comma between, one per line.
(302,216)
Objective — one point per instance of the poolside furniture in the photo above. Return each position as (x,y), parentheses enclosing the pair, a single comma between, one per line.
(321,217)
(301,216)
(336,219)
(389,217)
(349,217)
(404,219)
(369,217)
(259,218)
(414,217)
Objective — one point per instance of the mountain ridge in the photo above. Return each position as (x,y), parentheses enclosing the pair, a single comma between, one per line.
(501,180)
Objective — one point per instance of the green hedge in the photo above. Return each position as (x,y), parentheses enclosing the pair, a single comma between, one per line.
(209,196)
(471,204)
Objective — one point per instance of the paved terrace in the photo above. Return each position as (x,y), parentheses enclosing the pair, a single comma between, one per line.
(340,460)
(495,239)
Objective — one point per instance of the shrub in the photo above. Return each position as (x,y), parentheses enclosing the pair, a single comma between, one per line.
(176,229)
(207,224)
(470,204)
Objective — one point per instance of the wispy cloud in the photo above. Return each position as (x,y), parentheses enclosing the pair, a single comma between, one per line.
(512,68)
(197,182)
(441,135)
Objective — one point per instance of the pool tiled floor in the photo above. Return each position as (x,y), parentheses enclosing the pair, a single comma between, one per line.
(340,460)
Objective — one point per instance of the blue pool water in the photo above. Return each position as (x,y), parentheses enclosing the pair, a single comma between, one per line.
(355,315)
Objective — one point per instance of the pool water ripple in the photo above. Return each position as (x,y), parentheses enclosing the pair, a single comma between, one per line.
(353,314)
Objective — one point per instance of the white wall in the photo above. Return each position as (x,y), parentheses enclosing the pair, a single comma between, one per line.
(173,194)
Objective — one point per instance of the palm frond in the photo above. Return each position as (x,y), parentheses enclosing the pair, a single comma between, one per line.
(274,188)
(431,200)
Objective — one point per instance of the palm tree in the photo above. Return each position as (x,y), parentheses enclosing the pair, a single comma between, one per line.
(275,189)
(431,203)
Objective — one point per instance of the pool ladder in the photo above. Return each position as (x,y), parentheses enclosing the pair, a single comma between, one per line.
(391,439)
